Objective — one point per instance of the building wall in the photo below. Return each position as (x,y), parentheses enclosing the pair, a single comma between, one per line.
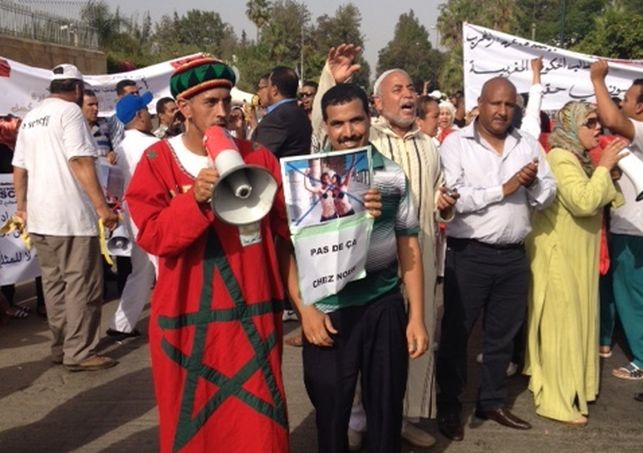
(47,55)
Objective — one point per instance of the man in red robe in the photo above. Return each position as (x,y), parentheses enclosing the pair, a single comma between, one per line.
(215,327)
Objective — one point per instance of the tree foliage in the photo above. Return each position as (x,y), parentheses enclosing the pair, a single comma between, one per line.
(196,31)
(410,49)
(331,31)
(545,17)
(617,33)
(258,11)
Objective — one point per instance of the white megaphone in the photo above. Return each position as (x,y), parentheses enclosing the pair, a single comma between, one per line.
(119,242)
(244,193)
(632,166)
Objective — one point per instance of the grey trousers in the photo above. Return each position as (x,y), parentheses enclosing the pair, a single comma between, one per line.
(72,278)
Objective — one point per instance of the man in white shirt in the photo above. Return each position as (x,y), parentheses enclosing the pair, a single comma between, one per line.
(132,111)
(59,196)
(626,222)
(500,174)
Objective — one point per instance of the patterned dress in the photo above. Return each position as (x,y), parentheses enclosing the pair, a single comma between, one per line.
(215,328)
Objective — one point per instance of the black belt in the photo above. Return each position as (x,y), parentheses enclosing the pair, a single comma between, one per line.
(455,242)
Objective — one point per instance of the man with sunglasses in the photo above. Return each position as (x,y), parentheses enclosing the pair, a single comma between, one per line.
(307,96)
(285,129)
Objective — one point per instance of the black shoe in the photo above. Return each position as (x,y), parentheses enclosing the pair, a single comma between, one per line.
(451,427)
(504,417)
(120,336)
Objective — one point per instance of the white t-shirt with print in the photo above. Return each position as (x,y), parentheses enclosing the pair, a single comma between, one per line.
(628,219)
(51,135)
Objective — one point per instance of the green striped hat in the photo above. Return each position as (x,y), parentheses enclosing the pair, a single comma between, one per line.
(201,74)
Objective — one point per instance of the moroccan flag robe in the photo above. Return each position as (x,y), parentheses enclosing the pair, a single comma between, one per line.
(215,326)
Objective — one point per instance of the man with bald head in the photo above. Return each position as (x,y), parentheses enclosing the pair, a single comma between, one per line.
(501,175)
(396,135)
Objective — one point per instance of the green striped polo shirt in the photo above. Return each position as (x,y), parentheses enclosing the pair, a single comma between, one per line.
(399,218)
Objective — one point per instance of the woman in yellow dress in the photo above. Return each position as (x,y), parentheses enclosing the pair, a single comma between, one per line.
(562,339)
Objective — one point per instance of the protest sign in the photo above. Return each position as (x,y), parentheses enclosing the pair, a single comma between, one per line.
(329,224)
(565,76)
(17,263)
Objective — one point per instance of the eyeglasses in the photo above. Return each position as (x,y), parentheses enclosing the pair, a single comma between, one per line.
(591,123)
(306,94)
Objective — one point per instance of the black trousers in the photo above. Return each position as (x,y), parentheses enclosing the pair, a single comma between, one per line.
(478,276)
(371,341)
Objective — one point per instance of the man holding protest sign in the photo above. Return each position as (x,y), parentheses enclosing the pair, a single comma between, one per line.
(397,137)
(364,328)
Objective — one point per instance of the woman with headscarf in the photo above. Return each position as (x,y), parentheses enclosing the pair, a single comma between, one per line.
(562,339)
(445,120)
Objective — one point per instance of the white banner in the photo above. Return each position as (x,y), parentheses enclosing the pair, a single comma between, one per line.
(565,75)
(17,264)
(22,87)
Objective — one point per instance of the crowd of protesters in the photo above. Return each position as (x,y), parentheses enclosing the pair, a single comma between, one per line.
(517,214)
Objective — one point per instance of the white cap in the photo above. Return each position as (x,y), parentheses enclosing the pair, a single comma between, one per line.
(436,94)
(66,72)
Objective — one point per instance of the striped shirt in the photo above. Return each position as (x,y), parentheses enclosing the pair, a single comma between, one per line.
(399,218)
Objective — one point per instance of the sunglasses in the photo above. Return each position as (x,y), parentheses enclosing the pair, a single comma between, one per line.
(591,123)
(305,94)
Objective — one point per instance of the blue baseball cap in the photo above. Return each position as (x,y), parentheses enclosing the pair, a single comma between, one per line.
(128,106)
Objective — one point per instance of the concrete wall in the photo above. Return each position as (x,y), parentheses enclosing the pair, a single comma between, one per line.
(47,55)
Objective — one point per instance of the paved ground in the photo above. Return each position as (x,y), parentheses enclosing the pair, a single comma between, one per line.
(47,409)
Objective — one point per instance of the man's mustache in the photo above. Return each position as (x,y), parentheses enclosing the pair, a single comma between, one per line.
(352,138)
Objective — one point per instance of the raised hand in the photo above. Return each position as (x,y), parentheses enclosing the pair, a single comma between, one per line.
(341,60)
(598,70)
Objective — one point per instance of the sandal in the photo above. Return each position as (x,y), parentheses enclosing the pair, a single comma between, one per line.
(605,352)
(630,372)
(578,423)
(16,312)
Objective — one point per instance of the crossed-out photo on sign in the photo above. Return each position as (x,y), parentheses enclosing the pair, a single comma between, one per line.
(322,189)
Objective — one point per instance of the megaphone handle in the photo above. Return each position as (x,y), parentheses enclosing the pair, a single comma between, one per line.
(103,243)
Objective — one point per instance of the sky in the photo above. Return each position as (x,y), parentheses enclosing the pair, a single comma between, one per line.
(378,17)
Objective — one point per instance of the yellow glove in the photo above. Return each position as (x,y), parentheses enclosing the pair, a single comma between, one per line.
(103,243)
(16,223)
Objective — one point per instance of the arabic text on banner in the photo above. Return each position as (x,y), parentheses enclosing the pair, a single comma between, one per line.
(565,75)
(17,264)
